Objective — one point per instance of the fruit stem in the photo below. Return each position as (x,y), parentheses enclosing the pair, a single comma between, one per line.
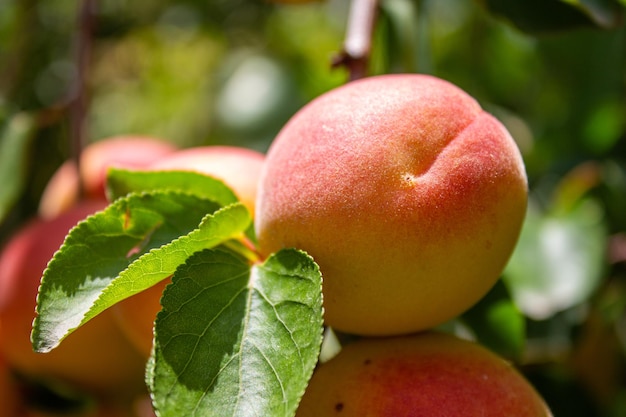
(358,41)
(78,110)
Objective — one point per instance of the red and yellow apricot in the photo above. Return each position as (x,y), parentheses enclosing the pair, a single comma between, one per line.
(426,374)
(407,194)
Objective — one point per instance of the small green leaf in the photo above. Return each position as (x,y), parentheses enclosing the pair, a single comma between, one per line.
(237,340)
(497,323)
(121,182)
(101,247)
(15,140)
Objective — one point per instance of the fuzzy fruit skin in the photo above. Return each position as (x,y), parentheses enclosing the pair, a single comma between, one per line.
(97,356)
(127,151)
(406,193)
(426,374)
(240,169)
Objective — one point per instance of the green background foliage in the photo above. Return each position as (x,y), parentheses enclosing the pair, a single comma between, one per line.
(233,71)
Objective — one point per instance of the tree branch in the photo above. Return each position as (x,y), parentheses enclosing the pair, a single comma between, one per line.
(78,94)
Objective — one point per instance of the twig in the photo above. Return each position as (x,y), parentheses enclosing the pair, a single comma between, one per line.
(358,41)
(79,101)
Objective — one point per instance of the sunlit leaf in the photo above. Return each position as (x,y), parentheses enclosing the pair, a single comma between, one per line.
(235,339)
(160,263)
(121,182)
(100,248)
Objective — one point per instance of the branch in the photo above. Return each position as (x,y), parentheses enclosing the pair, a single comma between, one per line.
(358,42)
(78,101)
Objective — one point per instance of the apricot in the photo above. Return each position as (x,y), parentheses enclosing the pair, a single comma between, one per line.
(95,357)
(408,195)
(129,151)
(240,169)
(426,374)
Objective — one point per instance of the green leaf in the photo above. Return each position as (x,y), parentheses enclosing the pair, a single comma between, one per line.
(127,239)
(237,340)
(553,15)
(15,140)
(497,323)
(216,228)
(121,182)
(559,259)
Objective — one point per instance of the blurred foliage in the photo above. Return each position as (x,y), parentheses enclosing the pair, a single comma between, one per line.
(233,72)
(558,14)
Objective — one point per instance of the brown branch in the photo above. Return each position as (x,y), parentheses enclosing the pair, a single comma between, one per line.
(78,95)
(358,41)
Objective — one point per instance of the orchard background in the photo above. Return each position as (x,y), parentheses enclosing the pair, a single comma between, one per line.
(232,72)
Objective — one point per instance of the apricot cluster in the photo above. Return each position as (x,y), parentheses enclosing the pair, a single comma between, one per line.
(408,195)
(99,369)
(411,198)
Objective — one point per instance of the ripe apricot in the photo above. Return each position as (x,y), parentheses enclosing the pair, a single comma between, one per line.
(407,194)
(427,374)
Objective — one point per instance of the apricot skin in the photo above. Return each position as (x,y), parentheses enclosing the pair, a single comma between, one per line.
(96,357)
(406,193)
(427,374)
